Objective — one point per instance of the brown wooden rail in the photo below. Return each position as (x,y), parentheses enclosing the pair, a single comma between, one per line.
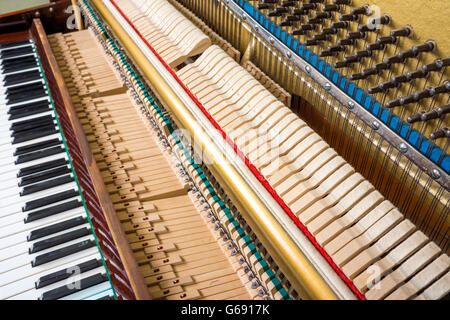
(125,274)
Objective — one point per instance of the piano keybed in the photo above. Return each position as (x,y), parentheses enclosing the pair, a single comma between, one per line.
(179,250)
(48,248)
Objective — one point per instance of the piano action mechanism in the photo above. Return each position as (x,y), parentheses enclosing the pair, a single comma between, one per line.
(225,149)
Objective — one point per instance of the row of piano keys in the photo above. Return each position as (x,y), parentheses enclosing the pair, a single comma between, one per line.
(357,227)
(47,246)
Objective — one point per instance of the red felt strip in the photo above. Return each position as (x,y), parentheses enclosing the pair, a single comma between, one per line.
(252,168)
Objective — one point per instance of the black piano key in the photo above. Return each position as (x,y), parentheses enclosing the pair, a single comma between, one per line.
(28,105)
(60,239)
(35,135)
(64,195)
(33,126)
(107,298)
(55,228)
(44,185)
(76,287)
(17,61)
(62,252)
(41,167)
(39,154)
(63,274)
(41,176)
(25,124)
(25,112)
(14,79)
(16,52)
(13,44)
(15,67)
(21,97)
(31,132)
(37,146)
(47,212)
(24,88)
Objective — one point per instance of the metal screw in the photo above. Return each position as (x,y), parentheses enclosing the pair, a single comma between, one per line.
(351,105)
(327,86)
(288,54)
(271,40)
(308,69)
(403,147)
(244,17)
(435,174)
(375,125)
(256,28)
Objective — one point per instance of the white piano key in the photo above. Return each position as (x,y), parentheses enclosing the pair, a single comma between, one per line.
(25,259)
(34,293)
(27,270)
(17,232)
(28,283)
(21,248)
(89,292)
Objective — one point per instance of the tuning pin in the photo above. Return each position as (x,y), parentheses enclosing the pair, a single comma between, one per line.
(364,10)
(287,4)
(337,48)
(393,103)
(327,53)
(403,32)
(394,59)
(308,6)
(387,40)
(356,35)
(322,15)
(443,88)
(357,76)
(370,72)
(373,24)
(445,109)
(428,46)
(340,25)
(441,133)
(321,37)
(437,65)
(346,42)
(286,23)
(375,47)
(348,17)
(315,21)
(415,117)
(265,6)
(312,43)
(331,8)
(343,2)
(329,31)
(363,54)
(416,74)
(317,1)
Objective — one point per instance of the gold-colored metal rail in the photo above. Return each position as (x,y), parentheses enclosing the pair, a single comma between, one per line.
(303,275)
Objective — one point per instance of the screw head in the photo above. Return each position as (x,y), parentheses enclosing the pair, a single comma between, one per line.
(271,40)
(435,174)
(403,147)
(256,28)
(327,86)
(288,54)
(350,105)
(376,125)
(244,17)
(308,69)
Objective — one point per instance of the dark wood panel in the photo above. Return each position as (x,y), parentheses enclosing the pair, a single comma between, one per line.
(53,17)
